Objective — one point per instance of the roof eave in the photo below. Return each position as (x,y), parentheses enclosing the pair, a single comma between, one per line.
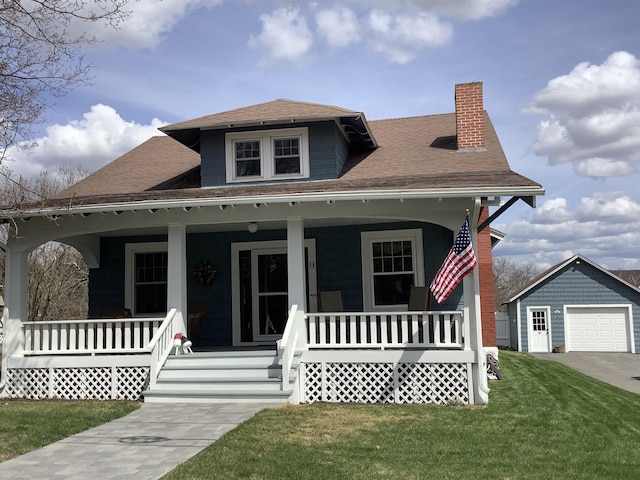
(281,198)
(359,116)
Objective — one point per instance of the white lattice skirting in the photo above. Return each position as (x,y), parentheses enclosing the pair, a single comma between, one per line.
(440,383)
(97,383)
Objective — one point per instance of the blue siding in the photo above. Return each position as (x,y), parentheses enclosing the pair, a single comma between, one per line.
(577,284)
(338,260)
(328,151)
(106,284)
(216,248)
(213,163)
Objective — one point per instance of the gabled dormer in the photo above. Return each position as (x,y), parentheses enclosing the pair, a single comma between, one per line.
(277,141)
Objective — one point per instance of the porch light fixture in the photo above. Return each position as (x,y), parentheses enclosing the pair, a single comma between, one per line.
(252,227)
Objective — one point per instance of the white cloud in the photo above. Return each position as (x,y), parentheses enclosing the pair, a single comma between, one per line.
(594,117)
(397,29)
(603,167)
(400,38)
(461,9)
(552,210)
(467,9)
(100,137)
(285,37)
(603,227)
(612,206)
(339,26)
(148,22)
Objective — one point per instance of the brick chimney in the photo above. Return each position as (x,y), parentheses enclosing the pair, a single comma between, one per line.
(469,116)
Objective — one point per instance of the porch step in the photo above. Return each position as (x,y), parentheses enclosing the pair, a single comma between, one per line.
(228,376)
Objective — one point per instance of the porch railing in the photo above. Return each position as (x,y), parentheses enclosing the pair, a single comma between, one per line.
(94,336)
(385,330)
(160,347)
(292,336)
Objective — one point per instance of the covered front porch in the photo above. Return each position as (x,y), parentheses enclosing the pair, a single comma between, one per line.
(264,296)
(397,357)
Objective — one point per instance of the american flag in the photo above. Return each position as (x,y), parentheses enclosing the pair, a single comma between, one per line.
(460,261)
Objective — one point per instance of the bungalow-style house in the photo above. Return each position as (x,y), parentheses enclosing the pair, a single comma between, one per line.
(289,242)
(576,305)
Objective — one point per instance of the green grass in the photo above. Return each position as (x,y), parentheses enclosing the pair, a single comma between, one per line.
(26,425)
(545,421)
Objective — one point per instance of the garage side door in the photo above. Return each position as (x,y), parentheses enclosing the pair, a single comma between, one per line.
(598,329)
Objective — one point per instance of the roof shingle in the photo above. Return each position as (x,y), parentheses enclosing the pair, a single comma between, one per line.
(406,158)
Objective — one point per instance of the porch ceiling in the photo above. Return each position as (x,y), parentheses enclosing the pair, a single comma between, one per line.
(243,226)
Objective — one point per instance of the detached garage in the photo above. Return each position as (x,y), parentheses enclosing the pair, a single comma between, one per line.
(576,306)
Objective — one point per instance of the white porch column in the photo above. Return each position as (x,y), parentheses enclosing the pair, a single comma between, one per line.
(471,295)
(177,275)
(296,263)
(16,304)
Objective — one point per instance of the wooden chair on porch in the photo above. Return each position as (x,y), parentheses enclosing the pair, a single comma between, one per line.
(114,312)
(195,320)
(419,302)
(418,299)
(331,301)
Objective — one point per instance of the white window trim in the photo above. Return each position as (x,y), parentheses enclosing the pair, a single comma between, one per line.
(130,250)
(267,161)
(366,239)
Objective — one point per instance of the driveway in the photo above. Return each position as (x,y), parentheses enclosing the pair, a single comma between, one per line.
(619,369)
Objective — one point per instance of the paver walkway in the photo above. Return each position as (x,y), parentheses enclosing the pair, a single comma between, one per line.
(145,444)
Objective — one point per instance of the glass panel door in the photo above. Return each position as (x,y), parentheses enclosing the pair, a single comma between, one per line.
(270,283)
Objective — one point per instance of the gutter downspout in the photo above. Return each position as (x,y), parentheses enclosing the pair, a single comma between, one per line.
(3,374)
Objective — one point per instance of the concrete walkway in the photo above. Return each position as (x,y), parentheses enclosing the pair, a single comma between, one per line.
(145,444)
(619,369)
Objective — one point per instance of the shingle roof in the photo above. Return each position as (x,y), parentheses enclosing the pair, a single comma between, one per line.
(414,153)
(276,110)
(156,161)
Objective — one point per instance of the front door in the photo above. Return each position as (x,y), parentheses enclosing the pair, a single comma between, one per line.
(260,297)
(539,330)
(271,302)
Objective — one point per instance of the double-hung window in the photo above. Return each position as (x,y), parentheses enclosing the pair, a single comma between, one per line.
(247,158)
(146,278)
(392,262)
(267,155)
(286,155)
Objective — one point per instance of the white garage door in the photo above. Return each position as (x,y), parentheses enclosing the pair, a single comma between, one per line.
(598,329)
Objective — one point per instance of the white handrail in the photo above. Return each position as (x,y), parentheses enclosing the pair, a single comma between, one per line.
(160,347)
(429,329)
(289,343)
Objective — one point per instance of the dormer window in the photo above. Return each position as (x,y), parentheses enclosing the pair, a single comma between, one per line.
(267,155)
(248,158)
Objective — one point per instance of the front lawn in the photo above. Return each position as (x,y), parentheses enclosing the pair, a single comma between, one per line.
(26,425)
(545,421)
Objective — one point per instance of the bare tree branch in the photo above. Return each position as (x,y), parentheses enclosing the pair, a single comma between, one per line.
(58,275)
(41,58)
(509,278)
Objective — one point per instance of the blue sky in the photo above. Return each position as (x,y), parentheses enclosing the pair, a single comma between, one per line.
(561,84)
